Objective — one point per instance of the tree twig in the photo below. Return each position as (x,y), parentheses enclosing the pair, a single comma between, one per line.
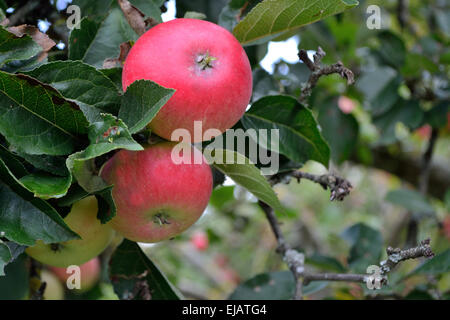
(318,70)
(339,187)
(424,177)
(294,259)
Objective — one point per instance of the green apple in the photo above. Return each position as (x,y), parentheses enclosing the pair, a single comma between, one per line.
(95,237)
(54,289)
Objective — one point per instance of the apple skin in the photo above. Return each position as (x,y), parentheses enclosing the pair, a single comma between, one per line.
(168,54)
(89,272)
(155,198)
(95,237)
(54,289)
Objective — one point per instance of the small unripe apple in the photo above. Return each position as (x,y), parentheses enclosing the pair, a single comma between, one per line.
(204,63)
(156,198)
(89,274)
(95,237)
(54,290)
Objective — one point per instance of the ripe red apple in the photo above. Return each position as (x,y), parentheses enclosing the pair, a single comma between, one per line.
(89,274)
(95,237)
(204,63)
(156,198)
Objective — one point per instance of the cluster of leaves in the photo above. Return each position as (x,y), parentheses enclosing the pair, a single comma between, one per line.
(61,119)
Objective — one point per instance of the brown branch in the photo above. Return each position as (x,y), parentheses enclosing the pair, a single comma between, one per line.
(424,177)
(426,162)
(339,187)
(317,71)
(394,257)
(403,17)
(408,167)
(294,259)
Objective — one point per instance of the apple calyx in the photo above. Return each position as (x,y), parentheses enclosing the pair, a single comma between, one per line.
(204,61)
(161,218)
(56,247)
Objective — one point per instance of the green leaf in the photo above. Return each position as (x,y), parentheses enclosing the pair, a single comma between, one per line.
(439,264)
(339,129)
(244,173)
(141,102)
(380,89)
(5,257)
(151,8)
(437,116)
(267,286)
(227,17)
(42,185)
(271,18)
(407,112)
(106,204)
(263,84)
(51,164)
(366,246)
(194,15)
(392,49)
(35,118)
(278,285)
(13,47)
(93,8)
(210,8)
(102,42)
(299,137)
(410,200)
(78,82)
(82,37)
(115,75)
(130,265)
(16,280)
(25,218)
(325,263)
(105,136)
(46,186)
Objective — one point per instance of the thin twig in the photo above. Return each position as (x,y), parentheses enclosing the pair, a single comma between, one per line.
(294,259)
(317,71)
(339,187)
(424,177)
(394,257)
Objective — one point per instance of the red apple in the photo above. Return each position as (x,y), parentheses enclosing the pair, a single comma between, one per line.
(200,240)
(346,104)
(424,132)
(156,198)
(204,63)
(89,274)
